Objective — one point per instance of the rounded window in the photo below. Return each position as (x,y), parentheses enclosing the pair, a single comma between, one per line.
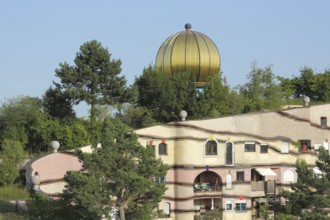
(211,148)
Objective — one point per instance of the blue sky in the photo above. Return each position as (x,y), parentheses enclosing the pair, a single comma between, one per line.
(37,35)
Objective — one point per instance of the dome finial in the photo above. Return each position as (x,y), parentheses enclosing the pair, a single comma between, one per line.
(187,27)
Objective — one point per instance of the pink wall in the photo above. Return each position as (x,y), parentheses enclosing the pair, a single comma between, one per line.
(54,166)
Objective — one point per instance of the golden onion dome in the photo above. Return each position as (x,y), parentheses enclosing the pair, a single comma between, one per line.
(189,51)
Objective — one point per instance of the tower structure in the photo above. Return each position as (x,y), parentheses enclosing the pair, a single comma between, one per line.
(189,51)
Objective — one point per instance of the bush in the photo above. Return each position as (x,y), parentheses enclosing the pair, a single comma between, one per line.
(13,192)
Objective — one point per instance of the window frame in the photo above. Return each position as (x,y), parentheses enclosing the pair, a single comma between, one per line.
(216,148)
(247,149)
(229,202)
(241,204)
(161,179)
(229,181)
(323,122)
(285,148)
(264,150)
(240,174)
(232,153)
(285,176)
(164,147)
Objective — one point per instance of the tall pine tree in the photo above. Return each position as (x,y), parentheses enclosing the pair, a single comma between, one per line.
(94,78)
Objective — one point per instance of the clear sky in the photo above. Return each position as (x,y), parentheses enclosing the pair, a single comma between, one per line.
(35,36)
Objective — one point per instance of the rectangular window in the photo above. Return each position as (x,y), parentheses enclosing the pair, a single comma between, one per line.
(250,147)
(323,122)
(162,149)
(284,148)
(229,181)
(229,204)
(240,206)
(161,179)
(240,176)
(229,153)
(264,148)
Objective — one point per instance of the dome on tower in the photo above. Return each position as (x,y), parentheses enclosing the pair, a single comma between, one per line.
(189,51)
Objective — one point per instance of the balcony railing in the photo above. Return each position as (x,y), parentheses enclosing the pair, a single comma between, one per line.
(206,187)
(257,186)
(208,214)
(267,186)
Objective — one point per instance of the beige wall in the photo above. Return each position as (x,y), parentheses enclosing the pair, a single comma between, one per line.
(267,125)
(186,151)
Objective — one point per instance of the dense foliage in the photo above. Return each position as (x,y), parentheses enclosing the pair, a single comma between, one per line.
(11,157)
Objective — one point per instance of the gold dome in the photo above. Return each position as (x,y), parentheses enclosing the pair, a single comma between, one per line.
(189,51)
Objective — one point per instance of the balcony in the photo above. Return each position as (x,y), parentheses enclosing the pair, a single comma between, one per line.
(207,182)
(207,209)
(261,188)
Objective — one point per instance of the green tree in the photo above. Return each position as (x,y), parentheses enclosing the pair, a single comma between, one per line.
(11,157)
(320,85)
(302,84)
(263,91)
(119,174)
(19,118)
(314,85)
(94,78)
(310,196)
(137,116)
(213,100)
(154,93)
(58,105)
(22,119)
(162,98)
(41,207)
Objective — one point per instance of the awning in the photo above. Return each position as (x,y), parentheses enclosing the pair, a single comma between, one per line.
(261,200)
(265,172)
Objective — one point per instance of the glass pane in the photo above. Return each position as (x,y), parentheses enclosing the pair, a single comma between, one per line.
(229,153)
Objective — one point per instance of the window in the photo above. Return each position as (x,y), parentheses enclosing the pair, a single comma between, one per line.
(240,176)
(228,181)
(250,147)
(264,148)
(288,176)
(211,147)
(323,122)
(162,149)
(229,204)
(161,179)
(167,209)
(229,153)
(284,148)
(240,206)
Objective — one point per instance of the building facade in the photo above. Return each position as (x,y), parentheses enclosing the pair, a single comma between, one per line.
(228,166)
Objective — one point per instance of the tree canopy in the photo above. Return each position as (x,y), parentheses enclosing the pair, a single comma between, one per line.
(160,99)
(94,78)
(262,91)
(120,174)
